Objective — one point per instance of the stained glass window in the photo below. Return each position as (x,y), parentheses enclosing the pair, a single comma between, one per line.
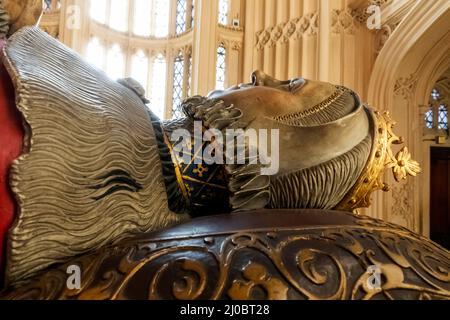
(95,53)
(221,68)
(98,10)
(118,19)
(139,68)
(443,118)
(223,11)
(178,86)
(115,62)
(181,16)
(158,91)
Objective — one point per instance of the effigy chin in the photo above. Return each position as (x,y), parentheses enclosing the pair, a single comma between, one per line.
(93,184)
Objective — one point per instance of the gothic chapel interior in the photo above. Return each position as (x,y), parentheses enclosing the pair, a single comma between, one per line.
(359,85)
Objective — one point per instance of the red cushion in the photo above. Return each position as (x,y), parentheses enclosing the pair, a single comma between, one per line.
(11,140)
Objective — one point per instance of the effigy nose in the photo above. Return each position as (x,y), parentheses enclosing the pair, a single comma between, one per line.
(259,78)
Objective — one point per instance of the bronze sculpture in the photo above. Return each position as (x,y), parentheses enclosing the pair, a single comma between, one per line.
(99,169)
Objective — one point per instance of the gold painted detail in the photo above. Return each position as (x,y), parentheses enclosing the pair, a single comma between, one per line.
(201,185)
(340,90)
(316,263)
(381,158)
(403,166)
(257,275)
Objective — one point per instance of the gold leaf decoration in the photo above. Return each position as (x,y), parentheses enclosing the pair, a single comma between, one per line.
(403,165)
(381,158)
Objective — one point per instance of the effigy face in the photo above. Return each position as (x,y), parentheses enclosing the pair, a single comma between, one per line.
(324,135)
(331,150)
(274,97)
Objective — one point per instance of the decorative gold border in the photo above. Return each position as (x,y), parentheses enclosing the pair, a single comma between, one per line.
(381,157)
(177,167)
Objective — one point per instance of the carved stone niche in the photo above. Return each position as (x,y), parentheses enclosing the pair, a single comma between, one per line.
(306,254)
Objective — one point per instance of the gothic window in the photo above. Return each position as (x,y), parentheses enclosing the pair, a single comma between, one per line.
(144,61)
(178,86)
(115,62)
(142,12)
(189,93)
(158,87)
(96,53)
(47,5)
(118,19)
(98,11)
(436,117)
(193,14)
(161,14)
(181,16)
(435,95)
(221,67)
(429,119)
(51,5)
(223,11)
(139,68)
(443,118)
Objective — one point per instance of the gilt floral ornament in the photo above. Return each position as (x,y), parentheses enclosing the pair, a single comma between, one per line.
(382,158)
(404,166)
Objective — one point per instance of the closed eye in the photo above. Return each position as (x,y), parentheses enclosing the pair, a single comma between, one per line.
(296,84)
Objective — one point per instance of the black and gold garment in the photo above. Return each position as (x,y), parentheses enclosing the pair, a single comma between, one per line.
(192,188)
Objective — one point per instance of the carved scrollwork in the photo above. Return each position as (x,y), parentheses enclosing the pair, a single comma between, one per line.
(317,263)
(256,275)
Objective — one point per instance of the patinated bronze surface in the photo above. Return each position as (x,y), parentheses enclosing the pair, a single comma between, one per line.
(90,174)
(278,255)
(22,13)
(99,168)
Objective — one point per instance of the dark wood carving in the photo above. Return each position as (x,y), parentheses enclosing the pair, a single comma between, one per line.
(263,255)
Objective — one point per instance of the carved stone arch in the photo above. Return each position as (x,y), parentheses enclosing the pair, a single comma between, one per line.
(422,20)
(411,61)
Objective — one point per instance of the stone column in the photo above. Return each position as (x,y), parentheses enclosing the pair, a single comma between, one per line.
(205,46)
(249,37)
(281,53)
(295,43)
(270,21)
(310,55)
